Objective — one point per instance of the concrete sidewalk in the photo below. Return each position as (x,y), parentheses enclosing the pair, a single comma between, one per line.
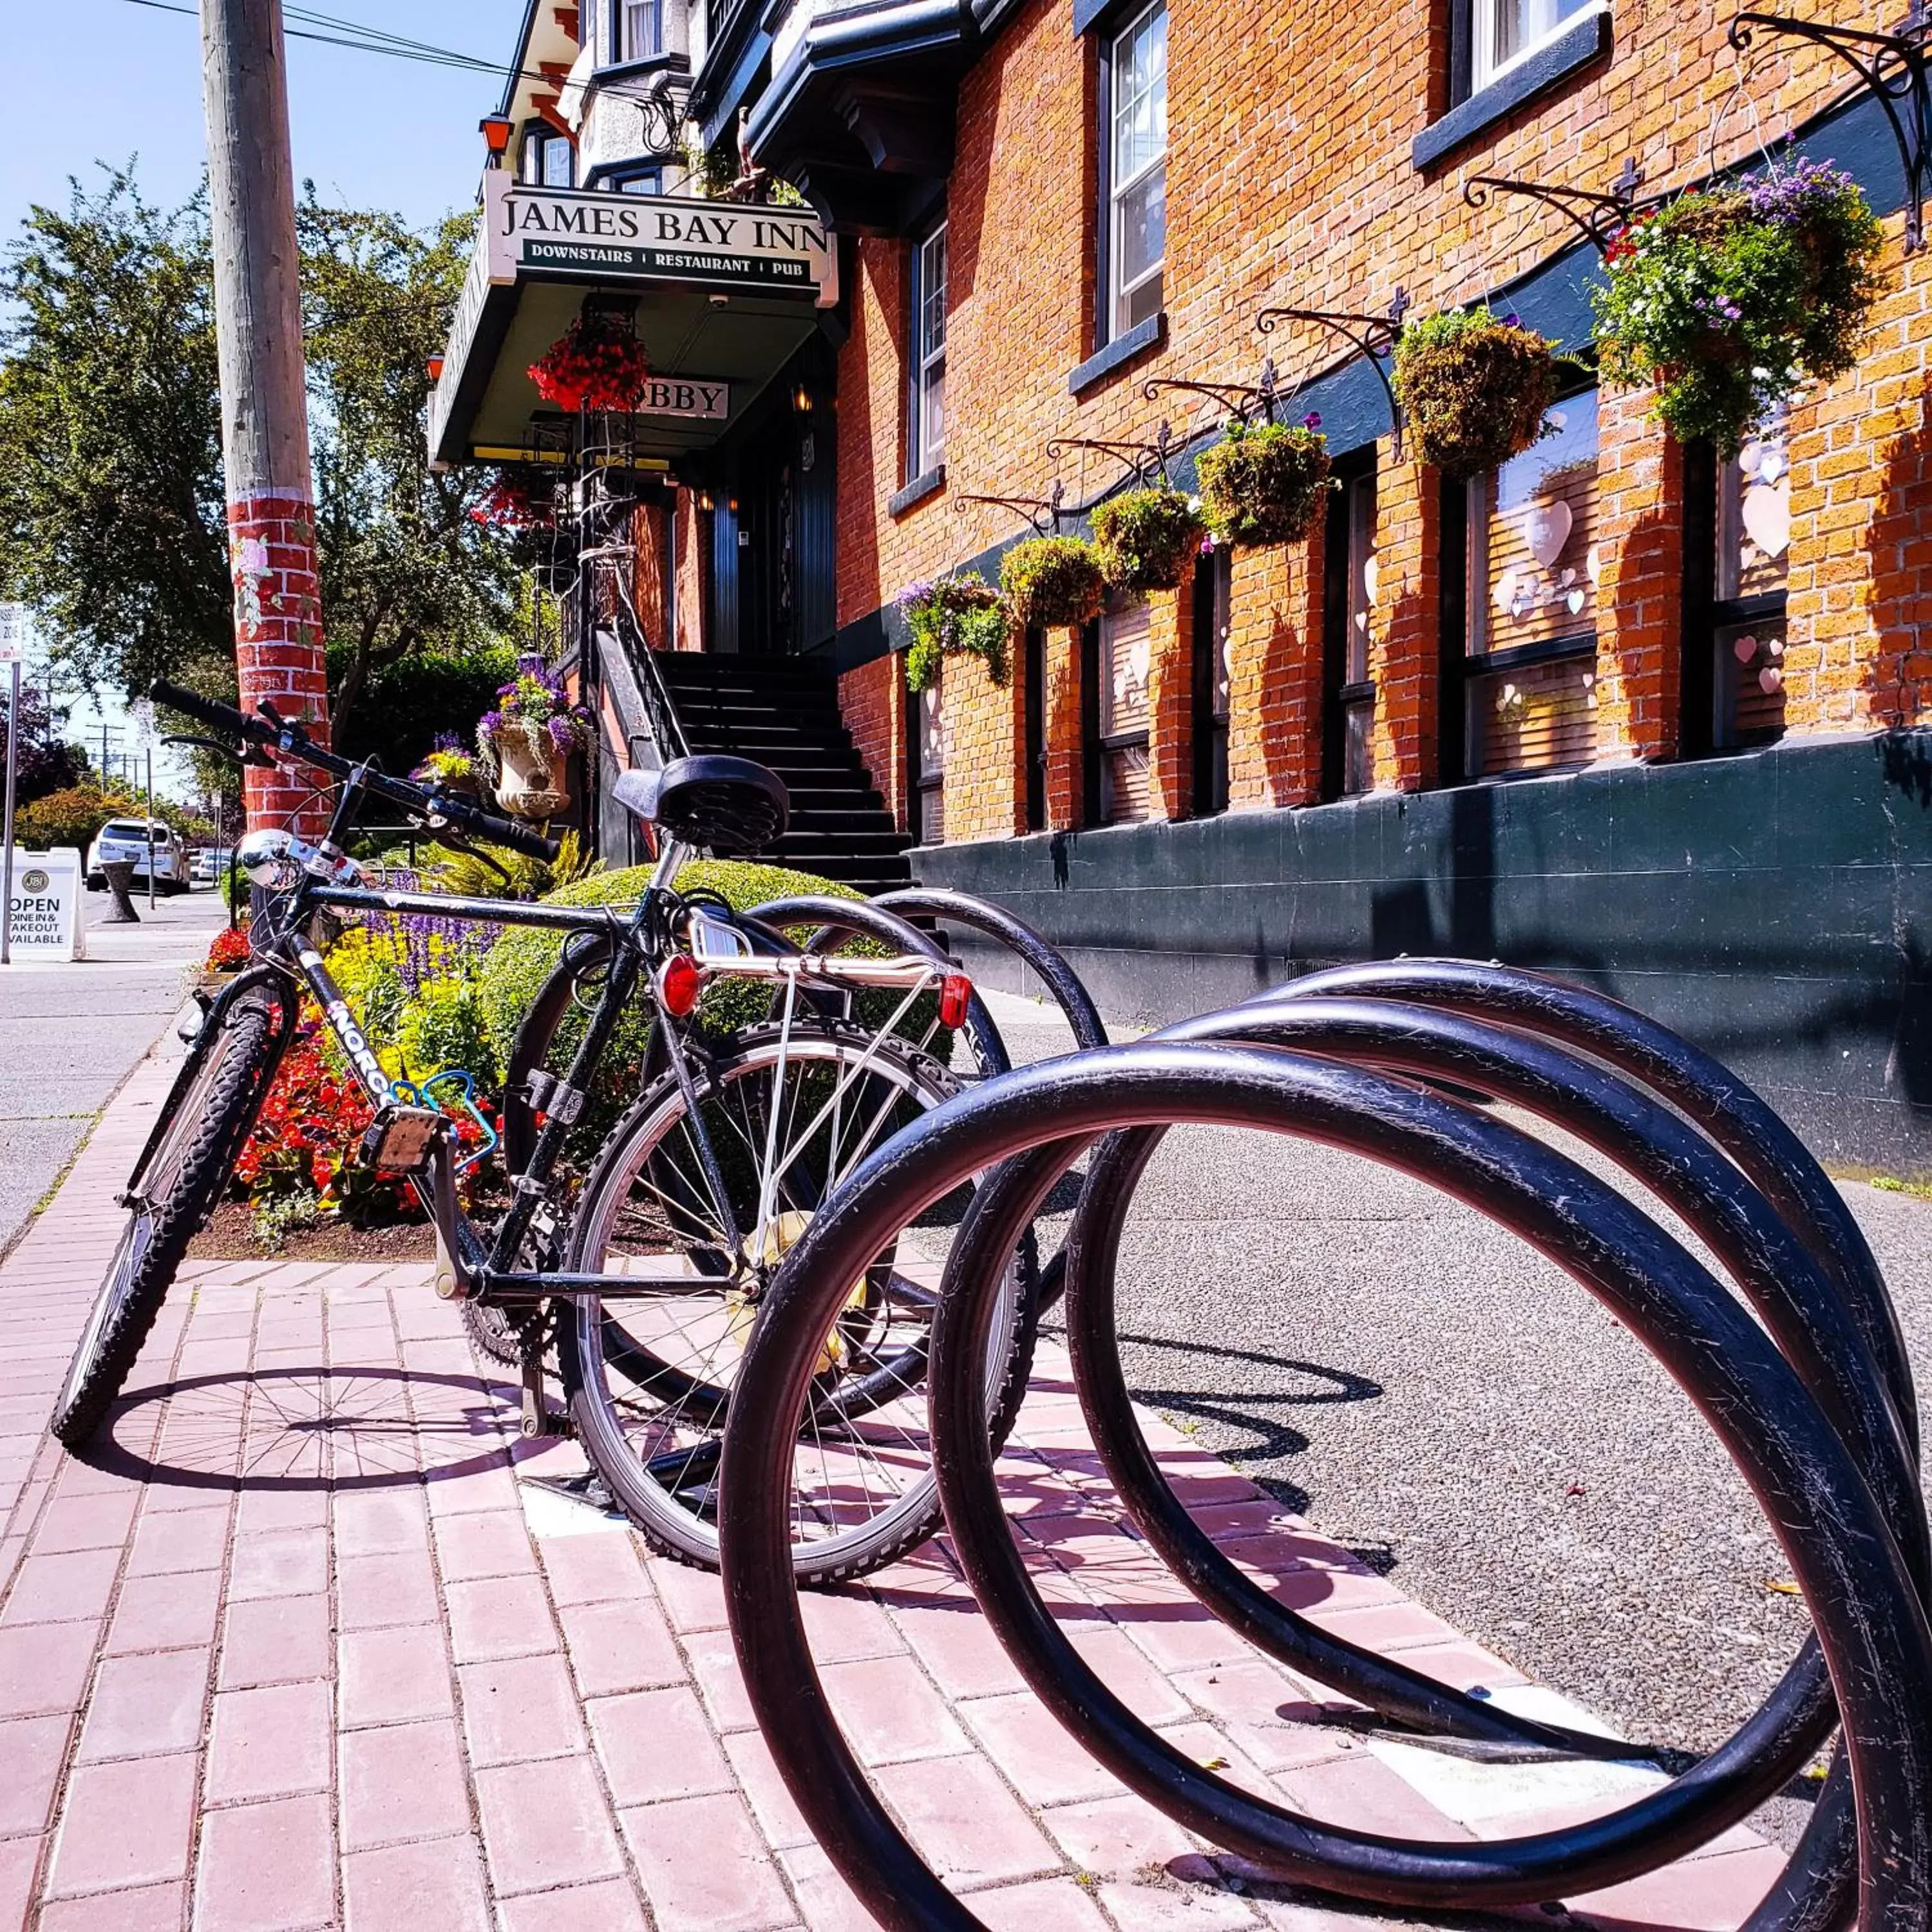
(71,1032)
(314,1647)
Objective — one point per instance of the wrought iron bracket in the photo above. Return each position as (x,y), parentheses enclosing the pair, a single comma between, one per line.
(1238,399)
(1043,513)
(1894,66)
(1138,460)
(1595,216)
(1372,336)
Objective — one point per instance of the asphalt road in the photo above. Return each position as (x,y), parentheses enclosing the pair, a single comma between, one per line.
(1428,1390)
(70,1033)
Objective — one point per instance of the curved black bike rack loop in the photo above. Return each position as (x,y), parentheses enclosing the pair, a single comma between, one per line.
(1870,1625)
(1654,1145)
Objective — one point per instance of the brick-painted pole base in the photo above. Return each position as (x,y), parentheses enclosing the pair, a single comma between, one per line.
(278,644)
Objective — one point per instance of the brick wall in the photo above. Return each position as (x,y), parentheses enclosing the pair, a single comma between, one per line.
(873,699)
(1289,182)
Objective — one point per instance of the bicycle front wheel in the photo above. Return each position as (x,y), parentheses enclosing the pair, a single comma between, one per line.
(787,1118)
(173,1191)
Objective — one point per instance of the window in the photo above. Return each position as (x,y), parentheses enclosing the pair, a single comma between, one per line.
(1213,585)
(1134,183)
(1737,537)
(1034,748)
(1126,638)
(1502,32)
(1530,673)
(928,748)
(633,181)
(637,30)
(1348,710)
(926,446)
(549,159)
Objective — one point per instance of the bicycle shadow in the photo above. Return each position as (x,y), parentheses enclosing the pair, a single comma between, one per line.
(284,1429)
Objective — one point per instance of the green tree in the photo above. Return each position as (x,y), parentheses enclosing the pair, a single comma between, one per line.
(111,521)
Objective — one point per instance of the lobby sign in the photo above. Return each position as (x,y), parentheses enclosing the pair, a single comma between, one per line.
(47,924)
(650,237)
(699,397)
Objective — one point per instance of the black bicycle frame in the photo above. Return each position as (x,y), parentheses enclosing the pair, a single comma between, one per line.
(485,1274)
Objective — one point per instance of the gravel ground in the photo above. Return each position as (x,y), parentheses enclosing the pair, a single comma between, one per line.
(1423,1386)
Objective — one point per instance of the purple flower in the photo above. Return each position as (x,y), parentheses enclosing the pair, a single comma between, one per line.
(913,595)
(1513,320)
(1794,194)
(446,741)
(562,733)
(1312,420)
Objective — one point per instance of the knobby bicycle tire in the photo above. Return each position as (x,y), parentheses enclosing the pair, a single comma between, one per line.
(207,1112)
(672,1530)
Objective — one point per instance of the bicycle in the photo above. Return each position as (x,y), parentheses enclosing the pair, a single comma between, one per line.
(698,1192)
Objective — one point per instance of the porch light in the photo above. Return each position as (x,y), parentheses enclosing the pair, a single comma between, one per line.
(434,366)
(801,400)
(704,502)
(496,130)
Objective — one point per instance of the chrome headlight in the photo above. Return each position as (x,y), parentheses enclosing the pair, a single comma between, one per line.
(265,857)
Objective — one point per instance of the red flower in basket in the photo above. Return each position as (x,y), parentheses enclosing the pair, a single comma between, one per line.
(592,366)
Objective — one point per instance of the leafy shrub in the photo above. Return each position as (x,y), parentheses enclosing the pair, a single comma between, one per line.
(961,614)
(73,817)
(405,706)
(1727,300)
(1052,580)
(442,1027)
(1474,388)
(1147,539)
(1263,486)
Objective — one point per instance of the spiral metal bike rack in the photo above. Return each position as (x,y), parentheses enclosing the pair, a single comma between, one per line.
(1797,1366)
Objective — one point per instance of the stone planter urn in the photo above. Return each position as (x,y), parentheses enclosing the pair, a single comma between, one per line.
(533,777)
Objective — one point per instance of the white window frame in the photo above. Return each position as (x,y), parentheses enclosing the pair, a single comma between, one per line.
(1118,188)
(928,354)
(623,14)
(1484,73)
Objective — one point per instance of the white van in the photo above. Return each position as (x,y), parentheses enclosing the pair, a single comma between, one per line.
(133,840)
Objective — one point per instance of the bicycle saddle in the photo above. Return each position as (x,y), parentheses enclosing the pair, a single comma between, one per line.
(731,807)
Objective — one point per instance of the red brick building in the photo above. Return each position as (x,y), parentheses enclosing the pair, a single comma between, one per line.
(1621,709)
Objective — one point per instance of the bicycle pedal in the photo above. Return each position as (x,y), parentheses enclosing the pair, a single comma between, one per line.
(399,1139)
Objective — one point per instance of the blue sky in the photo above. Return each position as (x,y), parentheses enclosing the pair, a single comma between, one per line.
(102,79)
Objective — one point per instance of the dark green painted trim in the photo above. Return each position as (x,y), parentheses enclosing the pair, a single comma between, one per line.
(1775,907)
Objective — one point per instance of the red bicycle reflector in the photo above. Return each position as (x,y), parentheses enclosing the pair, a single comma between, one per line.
(679,983)
(956,992)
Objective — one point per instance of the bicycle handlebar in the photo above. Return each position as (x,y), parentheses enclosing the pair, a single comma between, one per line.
(292,742)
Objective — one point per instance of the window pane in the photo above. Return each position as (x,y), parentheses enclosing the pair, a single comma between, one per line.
(1142,231)
(1362,574)
(650,184)
(1125,638)
(1533,538)
(1128,785)
(1137,189)
(1749,683)
(1358,764)
(1536,718)
(639,38)
(556,162)
(1506,30)
(932,727)
(932,417)
(1754,518)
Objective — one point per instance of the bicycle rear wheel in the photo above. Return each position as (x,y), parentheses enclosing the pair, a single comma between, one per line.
(169,1196)
(650,1381)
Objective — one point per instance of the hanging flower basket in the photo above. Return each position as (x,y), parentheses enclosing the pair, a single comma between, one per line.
(960,615)
(1052,580)
(513,503)
(525,745)
(1147,539)
(1474,388)
(1263,486)
(596,364)
(1727,300)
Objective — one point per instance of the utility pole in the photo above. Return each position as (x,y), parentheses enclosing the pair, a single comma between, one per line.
(278,639)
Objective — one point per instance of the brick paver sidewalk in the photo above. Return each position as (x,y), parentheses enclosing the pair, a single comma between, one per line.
(317,1647)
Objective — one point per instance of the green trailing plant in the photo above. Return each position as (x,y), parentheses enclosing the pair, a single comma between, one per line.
(1728,300)
(1148,539)
(961,614)
(1474,388)
(1052,580)
(1263,486)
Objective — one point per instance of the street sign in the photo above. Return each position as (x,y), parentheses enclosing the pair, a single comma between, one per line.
(13,634)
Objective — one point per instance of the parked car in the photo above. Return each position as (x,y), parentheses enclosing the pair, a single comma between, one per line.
(207,866)
(131,839)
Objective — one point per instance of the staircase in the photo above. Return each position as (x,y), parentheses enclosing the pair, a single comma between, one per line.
(784,712)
